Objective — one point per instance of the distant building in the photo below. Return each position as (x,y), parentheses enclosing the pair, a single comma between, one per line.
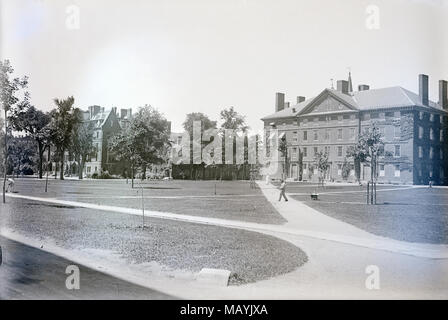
(105,124)
(414,130)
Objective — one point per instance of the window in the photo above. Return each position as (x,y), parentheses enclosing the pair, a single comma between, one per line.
(305,135)
(88,169)
(339,134)
(315,171)
(431,117)
(431,152)
(431,133)
(339,169)
(316,135)
(339,118)
(305,170)
(352,117)
(367,116)
(327,134)
(352,133)
(305,152)
(420,132)
(397,170)
(382,172)
(315,150)
(441,135)
(339,151)
(397,151)
(294,139)
(294,152)
(397,132)
(420,115)
(441,154)
(420,152)
(326,149)
(97,134)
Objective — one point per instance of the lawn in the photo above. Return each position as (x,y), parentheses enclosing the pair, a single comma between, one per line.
(401,213)
(171,245)
(233,200)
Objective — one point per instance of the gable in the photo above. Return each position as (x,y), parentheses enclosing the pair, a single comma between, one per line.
(328,104)
(330,101)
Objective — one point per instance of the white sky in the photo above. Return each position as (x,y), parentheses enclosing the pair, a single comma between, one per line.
(203,55)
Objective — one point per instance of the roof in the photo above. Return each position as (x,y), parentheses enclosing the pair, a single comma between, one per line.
(392,97)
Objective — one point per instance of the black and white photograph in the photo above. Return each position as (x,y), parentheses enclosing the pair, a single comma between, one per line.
(204,151)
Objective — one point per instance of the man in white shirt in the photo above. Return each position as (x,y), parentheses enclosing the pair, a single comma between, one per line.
(282,190)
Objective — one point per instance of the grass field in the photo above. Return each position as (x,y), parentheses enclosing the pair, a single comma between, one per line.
(233,199)
(402,213)
(169,246)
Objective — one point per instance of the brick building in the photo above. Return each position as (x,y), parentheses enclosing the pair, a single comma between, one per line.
(104,124)
(414,131)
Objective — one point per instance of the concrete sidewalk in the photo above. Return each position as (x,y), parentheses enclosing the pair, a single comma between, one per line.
(311,222)
(302,221)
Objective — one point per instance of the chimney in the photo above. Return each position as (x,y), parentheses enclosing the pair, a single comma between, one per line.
(123,113)
(286,105)
(94,110)
(279,101)
(443,94)
(423,88)
(342,86)
(363,87)
(300,99)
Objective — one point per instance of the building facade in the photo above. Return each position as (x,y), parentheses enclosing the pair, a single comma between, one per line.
(105,124)
(413,129)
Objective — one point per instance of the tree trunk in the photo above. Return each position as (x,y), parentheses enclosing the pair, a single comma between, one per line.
(6,156)
(81,167)
(143,172)
(41,151)
(132,176)
(61,176)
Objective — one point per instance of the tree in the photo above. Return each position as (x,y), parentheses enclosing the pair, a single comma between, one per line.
(122,146)
(8,99)
(346,168)
(232,120)
(283,148)
(206,124)
(144,141)
(82,143)
(22,155)
(322,164)
(369,146)
(151,136)
(64,119)
(33,122)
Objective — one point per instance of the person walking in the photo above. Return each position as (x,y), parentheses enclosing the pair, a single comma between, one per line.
(282,190)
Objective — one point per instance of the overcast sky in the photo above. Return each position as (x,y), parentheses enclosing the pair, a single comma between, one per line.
(204,55)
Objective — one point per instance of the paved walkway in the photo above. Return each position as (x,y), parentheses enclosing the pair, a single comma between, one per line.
(302,221)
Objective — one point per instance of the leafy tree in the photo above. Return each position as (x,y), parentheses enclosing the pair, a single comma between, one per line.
(322,164)
(233,120)
(33,122)
(22,155)
(346,167)
(206,124)
(122,146)
(8,100)
(64,119)
(144,141)
(283,148)
(82,143)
